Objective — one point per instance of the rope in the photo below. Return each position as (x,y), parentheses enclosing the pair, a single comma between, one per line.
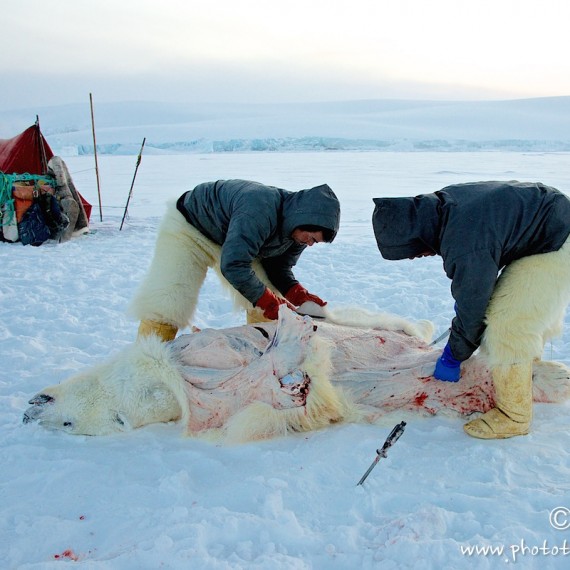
(6,201)
(32,177)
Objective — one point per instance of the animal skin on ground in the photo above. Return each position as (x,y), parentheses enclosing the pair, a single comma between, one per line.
(269,379)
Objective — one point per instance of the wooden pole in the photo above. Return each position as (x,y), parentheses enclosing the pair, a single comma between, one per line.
(43,157)
(132,184)
(95,153)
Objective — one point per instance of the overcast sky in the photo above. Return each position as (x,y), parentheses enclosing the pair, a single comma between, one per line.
(58,51)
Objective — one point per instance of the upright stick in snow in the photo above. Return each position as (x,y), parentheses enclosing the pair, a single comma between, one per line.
(132,184)
(95,154)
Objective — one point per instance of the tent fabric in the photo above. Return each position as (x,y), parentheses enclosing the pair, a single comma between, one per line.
(86,206)
(27,160)
(28,152)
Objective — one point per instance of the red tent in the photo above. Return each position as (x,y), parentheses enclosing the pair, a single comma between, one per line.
(29,153)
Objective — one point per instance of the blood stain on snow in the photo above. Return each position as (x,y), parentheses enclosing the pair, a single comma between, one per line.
(67,554)
(420,399)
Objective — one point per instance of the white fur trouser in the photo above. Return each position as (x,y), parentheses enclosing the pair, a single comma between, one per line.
(182,257)
(527,307)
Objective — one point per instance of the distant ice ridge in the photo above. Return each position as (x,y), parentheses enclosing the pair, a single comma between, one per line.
(540,124)
(317,144)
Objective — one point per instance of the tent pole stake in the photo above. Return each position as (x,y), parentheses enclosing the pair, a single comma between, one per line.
(95,154)
(132,184)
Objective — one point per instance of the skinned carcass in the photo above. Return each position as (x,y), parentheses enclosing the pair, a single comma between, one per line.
(269,379)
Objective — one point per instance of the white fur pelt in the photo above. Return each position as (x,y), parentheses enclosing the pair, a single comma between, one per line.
(354,316)
(325,405)
(169,292)
(228,384)
(527,307)
(139,385)
(69,199)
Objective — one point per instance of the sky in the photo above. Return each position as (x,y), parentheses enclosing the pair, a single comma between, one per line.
(263,51)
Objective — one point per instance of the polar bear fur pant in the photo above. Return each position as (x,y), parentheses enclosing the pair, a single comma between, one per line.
(527,307)
(169,292)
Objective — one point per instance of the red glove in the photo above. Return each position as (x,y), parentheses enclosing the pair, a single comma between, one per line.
(298,295)
(269,304)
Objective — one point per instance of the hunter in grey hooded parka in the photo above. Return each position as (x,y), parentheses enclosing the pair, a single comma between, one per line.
(477,228)
(251,220)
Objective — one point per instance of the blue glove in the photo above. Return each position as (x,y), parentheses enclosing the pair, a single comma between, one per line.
(447,368)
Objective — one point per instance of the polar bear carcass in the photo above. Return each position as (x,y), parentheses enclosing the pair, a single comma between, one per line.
(269,379)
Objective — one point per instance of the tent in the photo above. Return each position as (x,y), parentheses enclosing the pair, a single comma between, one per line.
(36,188)
(28,152)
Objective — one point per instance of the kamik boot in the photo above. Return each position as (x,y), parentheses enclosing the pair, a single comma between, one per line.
(255,315)
(512,414)
(164,331)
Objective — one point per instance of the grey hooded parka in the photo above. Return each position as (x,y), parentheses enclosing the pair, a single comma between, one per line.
(251,220)
(478,228)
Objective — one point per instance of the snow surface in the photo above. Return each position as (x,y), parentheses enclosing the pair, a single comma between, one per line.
(154,499)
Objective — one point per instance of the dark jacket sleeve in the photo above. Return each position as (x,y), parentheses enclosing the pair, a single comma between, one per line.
(279,268)
(245,236)
(473,278)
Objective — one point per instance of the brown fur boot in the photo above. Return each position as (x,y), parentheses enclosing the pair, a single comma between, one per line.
(255,315)
(513,412)
(162,330)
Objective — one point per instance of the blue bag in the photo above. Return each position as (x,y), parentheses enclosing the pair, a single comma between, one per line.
(33,229)
(54,218)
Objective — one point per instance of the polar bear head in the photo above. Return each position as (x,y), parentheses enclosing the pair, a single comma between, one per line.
(140,385)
